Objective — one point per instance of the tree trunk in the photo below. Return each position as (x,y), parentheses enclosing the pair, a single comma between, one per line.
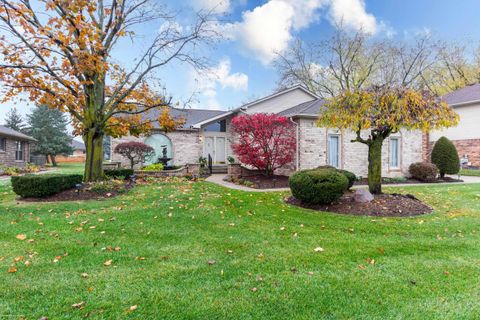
(54,160)
(375,166)
(93,139)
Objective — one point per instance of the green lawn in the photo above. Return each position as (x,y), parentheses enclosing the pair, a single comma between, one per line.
(470,172)
(424,268)
(68,168)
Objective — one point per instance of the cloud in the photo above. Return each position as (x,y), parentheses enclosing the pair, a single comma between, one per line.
(267,29)
(216,6)
(218,77)
(352,14)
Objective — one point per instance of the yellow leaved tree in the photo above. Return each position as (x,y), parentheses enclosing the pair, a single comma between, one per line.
(377,113)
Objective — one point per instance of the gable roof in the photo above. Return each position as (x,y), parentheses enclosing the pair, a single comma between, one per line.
(308,109)
(4,131)
(255,102)
(278,93)
(77,145)
(191,116)
(465,95)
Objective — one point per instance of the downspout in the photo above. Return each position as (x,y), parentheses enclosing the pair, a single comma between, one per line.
(297,153)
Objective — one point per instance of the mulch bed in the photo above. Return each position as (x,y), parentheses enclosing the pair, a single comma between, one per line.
(364,181)
(265,182)
(384,205)
(82,194)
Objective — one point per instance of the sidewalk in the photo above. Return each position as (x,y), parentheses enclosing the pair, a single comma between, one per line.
(218,179)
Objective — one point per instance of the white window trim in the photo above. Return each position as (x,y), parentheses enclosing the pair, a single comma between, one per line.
(399,153)
(338,149)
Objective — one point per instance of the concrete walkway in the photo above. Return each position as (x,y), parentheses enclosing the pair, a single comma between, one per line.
(218,179)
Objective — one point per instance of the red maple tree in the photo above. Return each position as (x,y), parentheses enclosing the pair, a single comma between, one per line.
(265,141)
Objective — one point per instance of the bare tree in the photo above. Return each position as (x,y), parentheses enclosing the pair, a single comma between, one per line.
(355,61)
(456,66)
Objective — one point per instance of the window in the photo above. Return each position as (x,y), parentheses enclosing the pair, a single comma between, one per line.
(19,150)
(3,144)
(394,152)
(334,150)
(107,150)
(219,126)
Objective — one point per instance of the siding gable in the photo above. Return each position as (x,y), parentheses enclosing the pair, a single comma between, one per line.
(281,102)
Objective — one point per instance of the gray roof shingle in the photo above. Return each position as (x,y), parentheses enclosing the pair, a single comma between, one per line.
(191,116)
(309,108)
(4,131)
(466,94)
(77,145)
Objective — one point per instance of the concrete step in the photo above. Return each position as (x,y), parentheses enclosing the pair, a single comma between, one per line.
(219,169)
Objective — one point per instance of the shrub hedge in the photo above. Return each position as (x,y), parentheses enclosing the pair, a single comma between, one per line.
(39,186)
(119,173)
(423,171)
(445,157)
(153,167)
(322,186)
(350,176)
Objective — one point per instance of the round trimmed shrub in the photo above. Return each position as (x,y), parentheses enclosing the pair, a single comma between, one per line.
(318,186)
(423,171)
(350,176)
(445,157)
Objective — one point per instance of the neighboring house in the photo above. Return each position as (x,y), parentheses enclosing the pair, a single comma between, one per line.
(466,135)
(14,147)
(208,132)
(78,147)
(78,154)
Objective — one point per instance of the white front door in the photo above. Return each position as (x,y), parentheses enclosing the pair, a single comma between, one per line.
(219,150)
(216,148)
(209,147)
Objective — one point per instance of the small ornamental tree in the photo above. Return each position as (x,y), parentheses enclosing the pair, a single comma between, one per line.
(383,111)
(265,141)
(445,157)
(136,152)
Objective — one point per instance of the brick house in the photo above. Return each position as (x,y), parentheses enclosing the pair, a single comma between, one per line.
(14,147)
(208,132)
(466,135)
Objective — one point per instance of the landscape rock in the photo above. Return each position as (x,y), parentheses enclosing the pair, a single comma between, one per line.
(362,196)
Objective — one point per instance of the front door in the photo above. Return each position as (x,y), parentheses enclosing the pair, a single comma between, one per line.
(209,147)
(215,147)
(219,150)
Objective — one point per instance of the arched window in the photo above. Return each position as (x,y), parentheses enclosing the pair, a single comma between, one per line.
(163,148)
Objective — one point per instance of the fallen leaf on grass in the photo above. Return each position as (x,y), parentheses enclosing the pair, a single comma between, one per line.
(210,262)
(107,263)
(133,308)
(318,249)
(253,289)
(78,305)
(84,275)
(21,236)
(12,270)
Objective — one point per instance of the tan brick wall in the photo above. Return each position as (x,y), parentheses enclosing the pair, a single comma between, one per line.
(354,155)
(7,158)
(187,147)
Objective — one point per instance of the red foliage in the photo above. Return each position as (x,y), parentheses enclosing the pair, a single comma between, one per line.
(266,141)
(136,152)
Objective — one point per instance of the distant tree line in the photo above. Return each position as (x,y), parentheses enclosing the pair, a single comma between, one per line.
(352,61)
